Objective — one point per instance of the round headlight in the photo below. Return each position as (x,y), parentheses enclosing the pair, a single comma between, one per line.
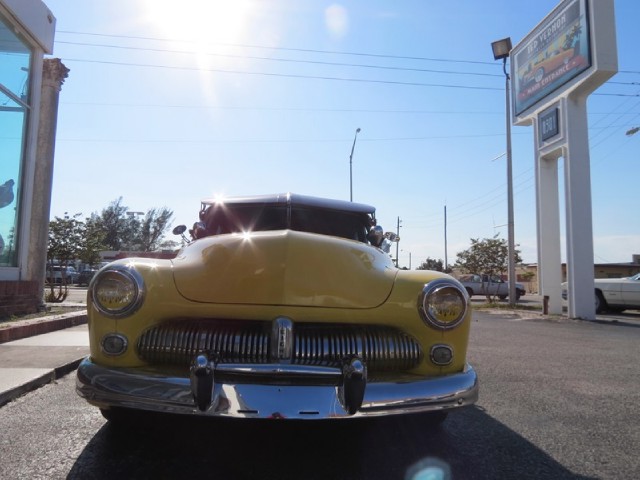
(117,291)
(442,304)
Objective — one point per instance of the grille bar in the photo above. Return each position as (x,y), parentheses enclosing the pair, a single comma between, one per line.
(177,342)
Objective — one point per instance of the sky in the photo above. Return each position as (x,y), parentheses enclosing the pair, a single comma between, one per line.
(168,103)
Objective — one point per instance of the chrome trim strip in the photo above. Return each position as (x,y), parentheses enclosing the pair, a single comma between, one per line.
(282,340)
(271,370)
(131,388)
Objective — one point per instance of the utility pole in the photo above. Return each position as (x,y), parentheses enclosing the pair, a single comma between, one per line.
(397,242)
(445,239)
(355,137)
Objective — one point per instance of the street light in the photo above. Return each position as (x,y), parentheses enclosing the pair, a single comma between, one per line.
(351,165)
(501,50)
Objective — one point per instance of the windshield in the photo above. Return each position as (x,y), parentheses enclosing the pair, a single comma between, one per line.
(221,219)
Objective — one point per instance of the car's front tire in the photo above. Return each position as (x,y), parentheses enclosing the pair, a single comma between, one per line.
(115,415)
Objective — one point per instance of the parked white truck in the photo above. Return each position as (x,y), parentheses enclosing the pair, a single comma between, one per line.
(489,286)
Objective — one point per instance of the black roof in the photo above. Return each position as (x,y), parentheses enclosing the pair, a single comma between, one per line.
(294,199)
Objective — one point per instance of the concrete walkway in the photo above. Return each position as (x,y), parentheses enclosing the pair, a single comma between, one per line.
(37,358)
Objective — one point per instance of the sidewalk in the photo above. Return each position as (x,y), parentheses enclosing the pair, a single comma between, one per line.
(38,351)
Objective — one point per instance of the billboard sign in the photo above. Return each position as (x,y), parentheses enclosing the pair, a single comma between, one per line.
(554,53)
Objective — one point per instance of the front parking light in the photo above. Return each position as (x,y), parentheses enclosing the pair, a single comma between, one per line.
(441,355)
(114,344)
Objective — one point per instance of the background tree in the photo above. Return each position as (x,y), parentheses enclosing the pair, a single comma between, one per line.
(116,227)
(152,227)
(71,239)
(433,264)
(122,231)
(487,256)
(66,236)
(92,245)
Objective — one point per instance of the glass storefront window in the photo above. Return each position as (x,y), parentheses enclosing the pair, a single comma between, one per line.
(15,63)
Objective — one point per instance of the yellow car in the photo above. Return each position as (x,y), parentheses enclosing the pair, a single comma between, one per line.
(282,306)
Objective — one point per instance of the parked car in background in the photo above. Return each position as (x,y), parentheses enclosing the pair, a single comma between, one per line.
(86,275)
(59,274)
(283,307)
(614,294)
(489,286)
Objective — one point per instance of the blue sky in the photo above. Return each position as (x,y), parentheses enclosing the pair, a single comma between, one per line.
(168,103)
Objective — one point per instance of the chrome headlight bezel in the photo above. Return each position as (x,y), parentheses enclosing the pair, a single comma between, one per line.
(129,278)
(437,288)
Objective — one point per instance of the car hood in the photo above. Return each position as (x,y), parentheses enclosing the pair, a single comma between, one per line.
(284,268)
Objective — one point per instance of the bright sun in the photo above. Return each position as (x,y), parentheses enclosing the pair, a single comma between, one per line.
(207,29)
(201,21)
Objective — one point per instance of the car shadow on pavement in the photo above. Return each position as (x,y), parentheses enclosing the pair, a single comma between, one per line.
(473,444)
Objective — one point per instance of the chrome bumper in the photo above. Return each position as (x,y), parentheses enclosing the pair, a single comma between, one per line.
(294,398)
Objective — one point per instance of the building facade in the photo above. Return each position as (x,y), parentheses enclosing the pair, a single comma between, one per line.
(27,30)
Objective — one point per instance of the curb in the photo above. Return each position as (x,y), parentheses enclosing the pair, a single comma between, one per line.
(37,326)
(35,383)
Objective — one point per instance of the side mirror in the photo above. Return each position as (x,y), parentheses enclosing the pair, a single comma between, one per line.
(180,229)
(376,236)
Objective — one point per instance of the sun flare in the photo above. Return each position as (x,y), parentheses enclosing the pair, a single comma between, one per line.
(200,21)
(207,30)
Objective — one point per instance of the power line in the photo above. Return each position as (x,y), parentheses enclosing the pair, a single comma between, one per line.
(288,49)
(226,140)
(310,77)
(306,109)
(288,75)
(287,60)
(287,109)
(316,62)
(317,51)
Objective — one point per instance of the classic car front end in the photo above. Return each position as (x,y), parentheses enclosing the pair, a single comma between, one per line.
(284,320)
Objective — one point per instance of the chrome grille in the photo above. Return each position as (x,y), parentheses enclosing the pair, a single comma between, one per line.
(177,342)
(382,348)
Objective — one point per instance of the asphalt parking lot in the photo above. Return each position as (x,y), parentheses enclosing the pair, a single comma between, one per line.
(557,401)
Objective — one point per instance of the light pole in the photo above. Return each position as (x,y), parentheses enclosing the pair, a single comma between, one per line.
(501,50)
(351,165)
(409,258)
